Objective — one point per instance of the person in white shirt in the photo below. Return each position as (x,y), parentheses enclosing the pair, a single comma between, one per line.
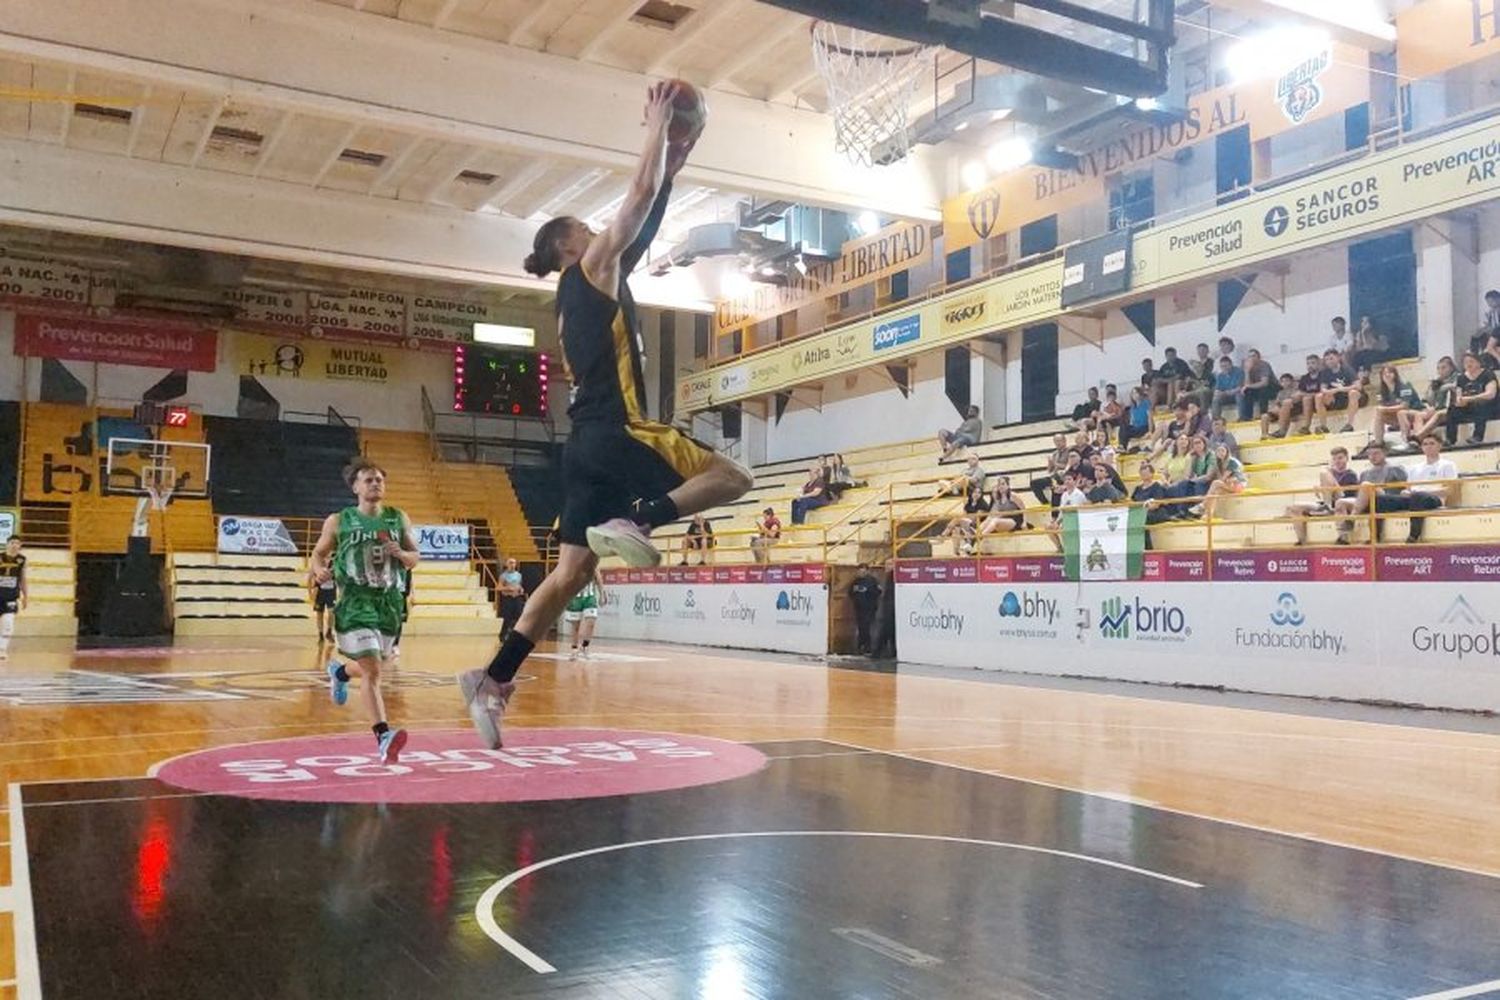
(1342,340)
(1227,349)
(1432,485)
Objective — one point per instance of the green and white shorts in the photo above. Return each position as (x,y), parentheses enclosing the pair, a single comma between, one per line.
(581,607)
(362,642)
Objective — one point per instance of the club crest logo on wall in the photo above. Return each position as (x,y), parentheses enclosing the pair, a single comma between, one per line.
(984,212)
(1298,92)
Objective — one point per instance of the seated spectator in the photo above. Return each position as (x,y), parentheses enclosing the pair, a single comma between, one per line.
(1201,472)
(1200,387)
(1004,515)
(1110,414)
(839,477)
(1041,486)
(1490,357)
(1417,423)
(1336,482)
(1228,477)
(1083,443)
(1227,349)
(1342,389)
(970,477)
(1085,412)
(767,532)
(699,538)
(814,495)
(1342,341)
(965,435)
(1100,449)
(1392,398)
(1227,385)
(1150,490)
(1382,482)
(1286,405)
(1137,420)
(1148,379)
(1073,494)
(1103,489)
(1170,377)
(1168,430)
(1075,467)
(1371,347)
(1473,400)
(1491,324)
(1177,474)
(1433,484)
(1259,388)
(961,529)
(1309,387)
(1218,433)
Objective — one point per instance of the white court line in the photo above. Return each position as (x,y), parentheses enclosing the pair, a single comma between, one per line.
(1478,989)
(484,910)
(1296,835)
(23,927)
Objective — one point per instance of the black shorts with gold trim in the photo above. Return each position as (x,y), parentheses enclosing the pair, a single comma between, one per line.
(609,466)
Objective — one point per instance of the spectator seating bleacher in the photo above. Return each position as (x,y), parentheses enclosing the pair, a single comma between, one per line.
(272,468)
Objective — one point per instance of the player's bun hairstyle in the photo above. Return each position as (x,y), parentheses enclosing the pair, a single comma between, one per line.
(354,468)
(543,259)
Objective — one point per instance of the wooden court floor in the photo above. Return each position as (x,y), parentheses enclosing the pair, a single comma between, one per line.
(1333,856)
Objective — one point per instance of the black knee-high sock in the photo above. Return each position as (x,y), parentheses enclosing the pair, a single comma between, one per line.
(655,513)
(513,652)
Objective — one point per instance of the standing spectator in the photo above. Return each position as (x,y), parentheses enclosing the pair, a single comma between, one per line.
(864,595)
(1227,349)
(1370,346)
(1041,486)
(1170,377)
(1137,419)
(1342,340)
(1491,323)
(699,538)
(767,533)
(1342,389)
(1005,511)
(1085,412)
(1336,482)
(1218,434)
(1282,409)
(1259,388)
(1415,424)
(814,495)
(512,597)
(1392,397)
(1473,400)
(885,619)
(1433,483)
(966,435)
(1382,483)
(1227,385)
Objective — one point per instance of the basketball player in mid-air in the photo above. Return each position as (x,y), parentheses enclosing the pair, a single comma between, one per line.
(624,474)
(368,549)
(582,613)
(12,590)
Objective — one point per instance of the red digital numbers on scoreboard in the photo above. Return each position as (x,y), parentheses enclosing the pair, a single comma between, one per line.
(176,416)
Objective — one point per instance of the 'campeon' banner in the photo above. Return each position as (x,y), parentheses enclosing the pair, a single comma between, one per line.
(1103,543)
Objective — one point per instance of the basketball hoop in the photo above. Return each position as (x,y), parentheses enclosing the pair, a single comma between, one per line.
(157,482)
(870,86)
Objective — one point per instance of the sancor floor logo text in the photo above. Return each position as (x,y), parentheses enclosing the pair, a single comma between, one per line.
(1119,617)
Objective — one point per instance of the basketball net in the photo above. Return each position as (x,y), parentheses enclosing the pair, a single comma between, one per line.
(158,486)
(870,86)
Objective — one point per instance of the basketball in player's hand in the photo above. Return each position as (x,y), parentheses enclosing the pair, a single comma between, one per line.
(689,114)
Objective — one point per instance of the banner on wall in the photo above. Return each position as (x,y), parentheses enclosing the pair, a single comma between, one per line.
(10,522)
(1440,35)
(117,342)
(306,358)
(1103,543)
(48,282)
(1435,644)
(895,248)
(242,535)
(443,542)
(1326,83)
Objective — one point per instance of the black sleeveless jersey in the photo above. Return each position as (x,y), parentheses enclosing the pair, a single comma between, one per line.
(601,336)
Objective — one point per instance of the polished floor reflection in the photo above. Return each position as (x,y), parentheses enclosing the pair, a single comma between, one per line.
(1157,848)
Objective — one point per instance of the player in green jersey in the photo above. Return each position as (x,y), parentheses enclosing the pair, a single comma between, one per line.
(368,549)
(582,613)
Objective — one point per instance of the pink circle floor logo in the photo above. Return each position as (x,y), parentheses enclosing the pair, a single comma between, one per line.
(445,766)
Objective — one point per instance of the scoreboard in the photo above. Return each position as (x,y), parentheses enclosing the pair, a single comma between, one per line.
(502,382)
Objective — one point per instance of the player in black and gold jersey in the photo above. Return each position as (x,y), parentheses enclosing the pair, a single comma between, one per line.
(12,590)
(624,474)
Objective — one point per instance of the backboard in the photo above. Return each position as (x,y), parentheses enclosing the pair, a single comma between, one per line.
(141,466)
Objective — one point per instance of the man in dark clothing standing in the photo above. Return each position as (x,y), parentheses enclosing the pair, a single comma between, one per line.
(864,594)
(885,627)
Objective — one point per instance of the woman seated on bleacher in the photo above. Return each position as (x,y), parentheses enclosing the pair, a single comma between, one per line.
(1004,512)
(1228,477)
(839,478)
(1473,401)
(961,529)
(814,495)
(1393,396)
(1416,423)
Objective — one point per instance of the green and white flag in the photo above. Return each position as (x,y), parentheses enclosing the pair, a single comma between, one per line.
(1103,543)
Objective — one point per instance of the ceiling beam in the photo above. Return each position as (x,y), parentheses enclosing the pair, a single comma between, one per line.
(613,18)
(138,121)
(697,25)
(69,89)
(1366,25)
(518,182)
(448,170)
(394,164)
(269,144)
(440,21)
(791,90)
(751,54)
(208,131)
(538,8)
(579,187)
(333,157)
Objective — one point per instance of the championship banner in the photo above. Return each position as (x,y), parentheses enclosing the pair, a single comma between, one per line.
(1326,83)
(116,342)
(442,542)
(46,282)
(10,523)
(254,535)
(1440,35)
(1103,543)
(308,358)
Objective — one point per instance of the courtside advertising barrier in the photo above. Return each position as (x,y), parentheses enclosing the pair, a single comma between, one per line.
(254,535)
(1431,639)
(780,608)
